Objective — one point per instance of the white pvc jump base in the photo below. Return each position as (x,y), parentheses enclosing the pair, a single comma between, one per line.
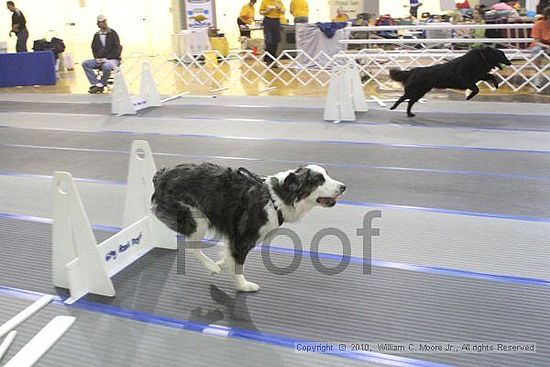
(24,315)
(398,41)
(35,349)
(6,344)
(82,265)
(345,94)
(382,102)
(41,342)
(122,103)
(432,26)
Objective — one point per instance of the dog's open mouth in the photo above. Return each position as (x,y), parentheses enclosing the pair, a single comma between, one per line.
(327,202)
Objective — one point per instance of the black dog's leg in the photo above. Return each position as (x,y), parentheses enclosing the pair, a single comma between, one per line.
(475,90)
(413,98)
(399,101)
(491,78)
(412,101)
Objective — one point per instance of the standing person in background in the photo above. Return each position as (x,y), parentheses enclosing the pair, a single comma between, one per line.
(300,11)
(541,41)
(477,17)
(246,18)
(272,10)
(414,4)
(341,16)
(19,27)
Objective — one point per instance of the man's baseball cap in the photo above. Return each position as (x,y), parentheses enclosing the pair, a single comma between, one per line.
(101,18)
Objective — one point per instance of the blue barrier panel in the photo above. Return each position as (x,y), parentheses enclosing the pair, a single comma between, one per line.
(27,68)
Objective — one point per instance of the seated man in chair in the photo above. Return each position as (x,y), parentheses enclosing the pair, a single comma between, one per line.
(106,50)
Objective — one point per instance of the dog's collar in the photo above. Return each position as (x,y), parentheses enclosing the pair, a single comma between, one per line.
(280,216)
(254,177)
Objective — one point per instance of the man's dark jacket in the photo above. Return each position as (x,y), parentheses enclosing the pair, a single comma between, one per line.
(112,49)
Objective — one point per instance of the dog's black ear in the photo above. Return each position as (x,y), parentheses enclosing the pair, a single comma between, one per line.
(291,182)
(293,185)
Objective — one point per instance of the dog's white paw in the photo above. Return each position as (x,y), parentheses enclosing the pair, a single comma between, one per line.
(213,267)
(248,287)
(221,263)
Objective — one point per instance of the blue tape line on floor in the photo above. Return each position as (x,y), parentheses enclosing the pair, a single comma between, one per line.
(523,218)
(359,122)
(434,270)
(286,140)
(446,211)
(231,332)
(296,162)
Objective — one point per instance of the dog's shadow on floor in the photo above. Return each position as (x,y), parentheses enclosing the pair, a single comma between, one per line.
(234,310)
(413,121)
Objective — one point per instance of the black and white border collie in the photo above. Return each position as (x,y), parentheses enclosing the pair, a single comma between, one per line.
(238,205)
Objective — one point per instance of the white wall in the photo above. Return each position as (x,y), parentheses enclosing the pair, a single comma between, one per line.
(147,25)
(41,10)
(396,7)
(143,25)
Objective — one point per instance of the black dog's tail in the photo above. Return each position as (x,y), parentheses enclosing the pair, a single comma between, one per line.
(399,75)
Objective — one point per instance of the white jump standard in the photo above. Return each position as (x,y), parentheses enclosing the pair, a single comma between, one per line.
(345,94)
(122,103)
(82,265)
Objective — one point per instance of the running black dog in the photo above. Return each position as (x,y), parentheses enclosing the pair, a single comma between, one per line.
(461,73)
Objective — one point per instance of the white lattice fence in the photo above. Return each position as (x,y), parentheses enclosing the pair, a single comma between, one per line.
(375,66)
(295,68)
(162,67)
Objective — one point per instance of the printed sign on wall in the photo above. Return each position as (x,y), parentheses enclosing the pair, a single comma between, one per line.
(199,13)
(446,5)
(350,7)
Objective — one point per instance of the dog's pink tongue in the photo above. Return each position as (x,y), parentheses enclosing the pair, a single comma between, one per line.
(326,201)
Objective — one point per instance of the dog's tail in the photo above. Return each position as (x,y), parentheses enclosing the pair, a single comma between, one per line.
(399,75)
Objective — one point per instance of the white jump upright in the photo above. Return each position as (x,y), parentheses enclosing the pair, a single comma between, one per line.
(345,94)
(82,265)
(123,103)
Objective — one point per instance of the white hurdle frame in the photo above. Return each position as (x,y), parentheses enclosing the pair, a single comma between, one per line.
(6,344)
(82,265)
(345,94)
(122,102)
(24,315)
(42,342)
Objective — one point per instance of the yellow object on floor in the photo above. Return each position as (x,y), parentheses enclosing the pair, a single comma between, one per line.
(211,58)
(220,44)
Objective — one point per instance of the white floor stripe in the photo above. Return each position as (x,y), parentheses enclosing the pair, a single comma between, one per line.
(486,245)
(379,134)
